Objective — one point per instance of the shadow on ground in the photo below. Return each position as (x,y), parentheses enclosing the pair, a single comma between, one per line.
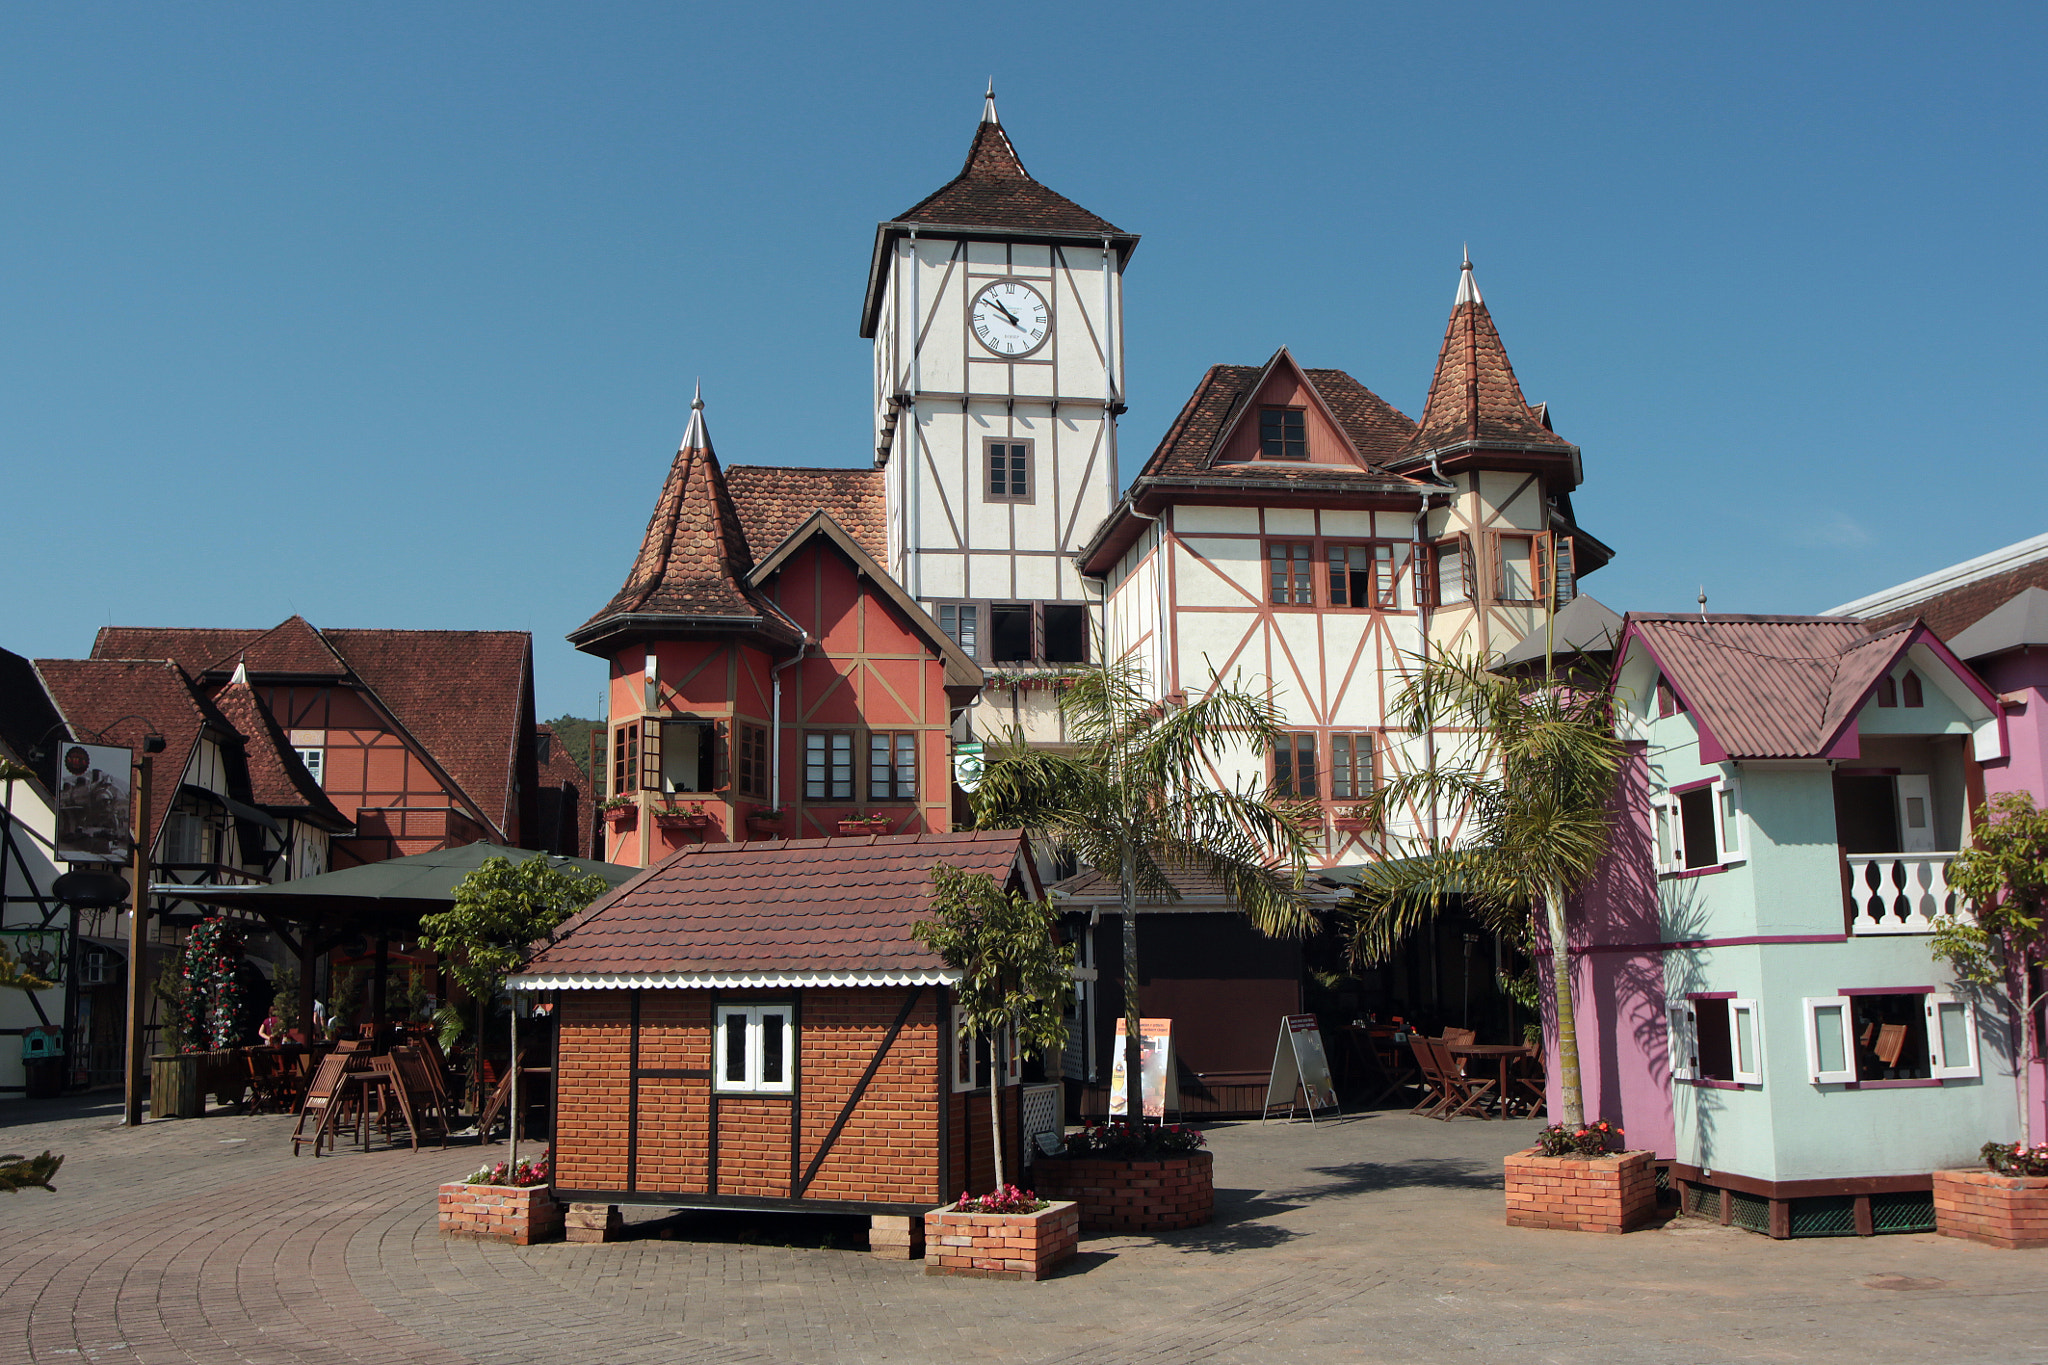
(742,1227)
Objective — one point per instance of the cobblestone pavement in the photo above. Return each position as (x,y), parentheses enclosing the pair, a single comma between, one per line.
(1374,1238)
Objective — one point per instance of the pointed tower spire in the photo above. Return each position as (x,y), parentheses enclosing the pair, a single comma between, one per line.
(1475,402)
(988,104)
(696,436)
(241,674)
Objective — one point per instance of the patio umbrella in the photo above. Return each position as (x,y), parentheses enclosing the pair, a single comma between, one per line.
(378,900)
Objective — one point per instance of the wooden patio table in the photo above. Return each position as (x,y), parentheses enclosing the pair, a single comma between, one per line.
(1500,1054)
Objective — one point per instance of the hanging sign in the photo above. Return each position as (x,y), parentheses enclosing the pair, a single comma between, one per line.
(1155,1064)
(969,762)
(1300,1068)
(92,804)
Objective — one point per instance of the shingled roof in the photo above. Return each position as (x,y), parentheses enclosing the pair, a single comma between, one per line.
(1377,430)
(1474,397)
(277,776)
(774,912)
(1777,686)
(119,701)
(774,500)
(993,196)
(693,561)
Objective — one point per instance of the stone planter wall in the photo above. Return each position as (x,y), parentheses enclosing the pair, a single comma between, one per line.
(2008,1211)
(1000,1246)
(1582,1194)
(522,1215)
(1159,1195)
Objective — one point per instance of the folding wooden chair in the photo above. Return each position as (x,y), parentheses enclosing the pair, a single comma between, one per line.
(1459,1037)
(501,1095)
(421,1093)
(1463,1093)
(1891,1041)
(1528,1083)
(1436,1088)
(325,1104)
(394,1086)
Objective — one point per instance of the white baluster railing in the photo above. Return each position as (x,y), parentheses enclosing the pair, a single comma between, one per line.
(1900,893)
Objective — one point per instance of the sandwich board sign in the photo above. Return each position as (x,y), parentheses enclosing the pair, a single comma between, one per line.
(1300,1068)
(1155,1064)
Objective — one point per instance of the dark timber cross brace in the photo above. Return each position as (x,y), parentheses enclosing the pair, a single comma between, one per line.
(853,1100)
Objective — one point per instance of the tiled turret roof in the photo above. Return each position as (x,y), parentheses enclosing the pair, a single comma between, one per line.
(1474,398)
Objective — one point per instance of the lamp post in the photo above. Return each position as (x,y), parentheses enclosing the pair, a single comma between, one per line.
(138,920)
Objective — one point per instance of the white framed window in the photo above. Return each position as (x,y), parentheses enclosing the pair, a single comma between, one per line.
(1951,1036)
(1830,1040)
(971,1065)
(1715,1038)
(315,761)
(963,1053)
(755,1050)
(1699,826)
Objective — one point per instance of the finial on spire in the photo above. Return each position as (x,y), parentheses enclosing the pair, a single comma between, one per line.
(241,671)
(1703,601)
(988,104)
(1468,285)
(696,437)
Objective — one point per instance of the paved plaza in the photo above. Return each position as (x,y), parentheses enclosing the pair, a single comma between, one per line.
(1370,1238)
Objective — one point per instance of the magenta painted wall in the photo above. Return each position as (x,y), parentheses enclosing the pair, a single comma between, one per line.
(2024,673)
(1618,983)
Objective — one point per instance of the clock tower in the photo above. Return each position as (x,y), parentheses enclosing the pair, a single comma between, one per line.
(995,308)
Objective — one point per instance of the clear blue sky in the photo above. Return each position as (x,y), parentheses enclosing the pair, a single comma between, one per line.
(388,314)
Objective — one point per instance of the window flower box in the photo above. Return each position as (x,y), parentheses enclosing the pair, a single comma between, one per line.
(2009,1211)
(768,822)
(622,815)
(1612,1192)
(1001,1246)
(870,824)
(679,818)
(1349,824)
(519,1214)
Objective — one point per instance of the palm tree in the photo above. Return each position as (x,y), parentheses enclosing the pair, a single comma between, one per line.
(1137,793)
(1533,777)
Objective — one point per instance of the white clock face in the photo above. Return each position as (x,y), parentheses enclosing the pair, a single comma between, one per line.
(1011,318)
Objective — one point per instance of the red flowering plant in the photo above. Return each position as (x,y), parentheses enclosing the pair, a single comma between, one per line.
(529,1171)
(1006,1199)
(1134,1141)
(2015,1158)
(1587,1139)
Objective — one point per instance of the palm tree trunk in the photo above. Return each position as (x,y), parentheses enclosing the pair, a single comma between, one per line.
(1569,1089)
(1134,1079)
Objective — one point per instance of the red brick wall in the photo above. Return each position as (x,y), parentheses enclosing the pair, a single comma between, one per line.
(886,1153)
(973,1154)
(1999,1210)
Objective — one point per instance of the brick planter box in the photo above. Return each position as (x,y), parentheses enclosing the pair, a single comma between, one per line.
(1159,1195)
(2008,1211)
(521,1214)
(1582,1194)
(1000,1246)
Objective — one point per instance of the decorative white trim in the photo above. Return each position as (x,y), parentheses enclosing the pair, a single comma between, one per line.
(626,981)
(1941,580)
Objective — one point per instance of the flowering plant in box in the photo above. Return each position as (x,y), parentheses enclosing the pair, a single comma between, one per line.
(2015,1158)
(1588,1139)
(1006,1199)
(1135,1141)
(529,1171)
(612,803)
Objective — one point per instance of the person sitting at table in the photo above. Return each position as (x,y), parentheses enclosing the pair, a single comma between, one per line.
(271,1030)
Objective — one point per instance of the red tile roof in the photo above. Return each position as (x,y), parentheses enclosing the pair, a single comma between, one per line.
(694,559)
(277,776)
(119,701)
(1474,397)
(1189,446)
(993,190)
(193,649)
(1770,686)
(773,500)
(464,695)
(779,906)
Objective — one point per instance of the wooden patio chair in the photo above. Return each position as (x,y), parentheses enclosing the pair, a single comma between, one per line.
(271,1085)
(501,1095)
(1464,1093)
(395,1088)
(1459,1037)
(327,1105)
(428,1104)
(1436,1088)
(436,1063)
(1528,1083)
(1891,1041)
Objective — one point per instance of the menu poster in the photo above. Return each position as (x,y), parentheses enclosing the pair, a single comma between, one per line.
(1155,1063)
(1300,1067)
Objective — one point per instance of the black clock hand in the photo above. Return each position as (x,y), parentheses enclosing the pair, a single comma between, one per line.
(998,304)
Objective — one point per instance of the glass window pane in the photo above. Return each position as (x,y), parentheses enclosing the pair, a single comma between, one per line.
(906,765)
(814,767)
(1340,768)
(772,1040)
(1278,556)
(1955,1033)
(1745,1042)
(1827,1036)
(1731,840)
(1514,568)
(1339,579)
(736,1047)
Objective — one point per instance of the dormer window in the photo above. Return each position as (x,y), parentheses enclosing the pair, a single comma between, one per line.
(1283,434)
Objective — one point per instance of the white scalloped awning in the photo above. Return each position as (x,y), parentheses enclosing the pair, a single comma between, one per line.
(641,981)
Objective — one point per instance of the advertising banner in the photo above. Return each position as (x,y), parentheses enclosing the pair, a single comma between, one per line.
(93,784)
(1155,1061)
(1300,1068)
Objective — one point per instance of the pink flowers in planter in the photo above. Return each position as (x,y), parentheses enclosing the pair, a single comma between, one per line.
(2015,1158)
(1135,1141)
(530,1171)
(1006,1199)
(1591,1139)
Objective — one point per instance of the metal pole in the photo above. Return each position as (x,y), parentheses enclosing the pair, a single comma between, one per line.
(137,987)
(512,1136)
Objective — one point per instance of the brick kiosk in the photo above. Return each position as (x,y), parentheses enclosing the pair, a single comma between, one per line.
(753,1026)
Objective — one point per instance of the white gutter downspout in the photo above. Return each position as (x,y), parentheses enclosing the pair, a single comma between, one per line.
(913,483)
(803,644)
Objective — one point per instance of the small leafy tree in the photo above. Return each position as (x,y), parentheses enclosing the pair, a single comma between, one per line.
(1014,975)
(501,910)
(2003,945)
